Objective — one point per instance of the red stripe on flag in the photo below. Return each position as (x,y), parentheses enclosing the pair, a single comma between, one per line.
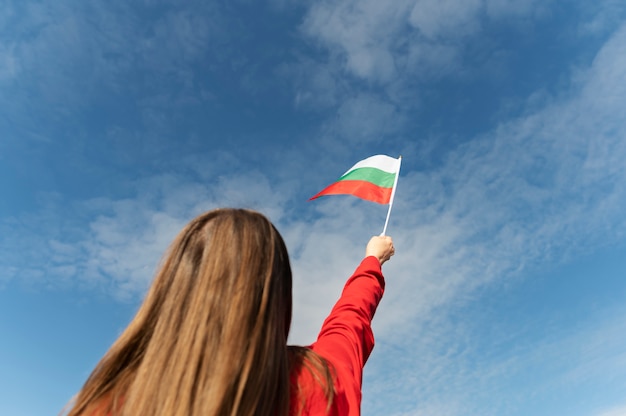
(362,189)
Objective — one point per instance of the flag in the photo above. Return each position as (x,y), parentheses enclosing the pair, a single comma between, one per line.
(372,179)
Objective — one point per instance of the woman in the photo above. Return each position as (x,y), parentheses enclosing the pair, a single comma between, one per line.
(211,336)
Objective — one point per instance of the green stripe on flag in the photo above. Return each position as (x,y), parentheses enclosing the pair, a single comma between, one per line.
(373,175)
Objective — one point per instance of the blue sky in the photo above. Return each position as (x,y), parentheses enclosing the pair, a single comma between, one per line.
(121,120)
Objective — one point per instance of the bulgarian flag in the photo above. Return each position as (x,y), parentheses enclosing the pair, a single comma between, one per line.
(373,179)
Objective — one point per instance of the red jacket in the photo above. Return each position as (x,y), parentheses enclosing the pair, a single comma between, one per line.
(345,341)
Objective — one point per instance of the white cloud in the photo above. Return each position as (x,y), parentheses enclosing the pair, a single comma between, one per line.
(549,183)
(464,363)
(126,241)
(540,188)
(534,190)
(519,195)
(604,17)
(361,33)
(384,42)
(616,411)
(57,64)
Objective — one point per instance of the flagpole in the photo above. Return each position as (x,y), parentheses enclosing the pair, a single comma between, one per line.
(393,194)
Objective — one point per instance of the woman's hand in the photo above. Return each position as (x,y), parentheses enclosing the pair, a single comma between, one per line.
(380,247)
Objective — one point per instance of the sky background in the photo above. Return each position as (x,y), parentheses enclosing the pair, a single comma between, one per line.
(121,120)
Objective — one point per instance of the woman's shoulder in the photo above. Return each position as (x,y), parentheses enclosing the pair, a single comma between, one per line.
(310,392)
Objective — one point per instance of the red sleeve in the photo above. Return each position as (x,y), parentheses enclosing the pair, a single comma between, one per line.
(346,339)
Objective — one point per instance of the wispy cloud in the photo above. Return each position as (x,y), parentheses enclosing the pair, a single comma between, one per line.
(537,190)
(616,411)
(404,38)
(470,364)
(114,244)
(539,187)
(530,189)
(361,34)
(63,64)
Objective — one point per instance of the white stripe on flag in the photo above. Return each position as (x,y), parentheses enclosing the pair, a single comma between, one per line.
(382,162)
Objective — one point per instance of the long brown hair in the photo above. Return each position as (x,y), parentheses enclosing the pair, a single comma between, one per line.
(211,336)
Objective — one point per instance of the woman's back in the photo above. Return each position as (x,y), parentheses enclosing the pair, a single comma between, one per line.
(210,337)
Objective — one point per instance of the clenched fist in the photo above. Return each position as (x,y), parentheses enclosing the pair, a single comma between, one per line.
(380,247)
